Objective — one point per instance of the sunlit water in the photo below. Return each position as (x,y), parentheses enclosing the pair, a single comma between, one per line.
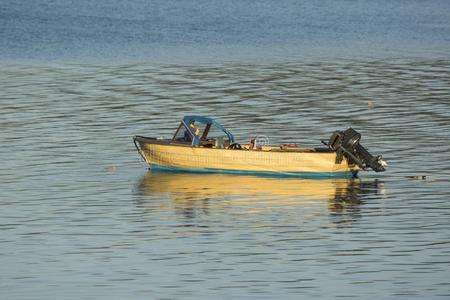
(82,218)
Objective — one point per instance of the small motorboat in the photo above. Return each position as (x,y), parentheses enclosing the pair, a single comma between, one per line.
(200,144)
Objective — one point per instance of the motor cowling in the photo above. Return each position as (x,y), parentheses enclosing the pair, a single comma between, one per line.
(347,144)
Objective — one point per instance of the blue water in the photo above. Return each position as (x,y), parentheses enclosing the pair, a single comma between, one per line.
(180,31)
(81,217)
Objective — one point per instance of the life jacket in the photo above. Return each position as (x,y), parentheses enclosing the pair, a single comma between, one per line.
(196,130)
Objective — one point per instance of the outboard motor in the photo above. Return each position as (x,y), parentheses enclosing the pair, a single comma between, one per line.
(346,143)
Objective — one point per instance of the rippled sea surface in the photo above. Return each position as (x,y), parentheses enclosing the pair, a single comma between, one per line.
(82,218)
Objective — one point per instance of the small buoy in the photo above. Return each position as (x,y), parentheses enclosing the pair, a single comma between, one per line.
(370,104)
(111,168)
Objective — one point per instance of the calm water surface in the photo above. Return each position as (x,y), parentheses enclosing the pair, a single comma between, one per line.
(81,217)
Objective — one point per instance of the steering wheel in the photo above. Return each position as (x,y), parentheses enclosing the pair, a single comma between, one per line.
(235,146)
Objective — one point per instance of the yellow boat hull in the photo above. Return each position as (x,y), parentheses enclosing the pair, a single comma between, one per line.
(306,162)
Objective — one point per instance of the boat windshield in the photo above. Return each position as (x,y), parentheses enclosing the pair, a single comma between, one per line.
(202,131)
(182,135)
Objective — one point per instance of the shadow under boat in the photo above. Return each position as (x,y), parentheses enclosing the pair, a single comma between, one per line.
(200,194)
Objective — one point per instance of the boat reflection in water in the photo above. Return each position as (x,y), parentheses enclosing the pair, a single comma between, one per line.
(193,195)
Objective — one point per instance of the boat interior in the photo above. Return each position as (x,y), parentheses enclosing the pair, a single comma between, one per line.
(214,143)
(206,133)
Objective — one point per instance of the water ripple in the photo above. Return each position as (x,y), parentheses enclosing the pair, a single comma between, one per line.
(71,226)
